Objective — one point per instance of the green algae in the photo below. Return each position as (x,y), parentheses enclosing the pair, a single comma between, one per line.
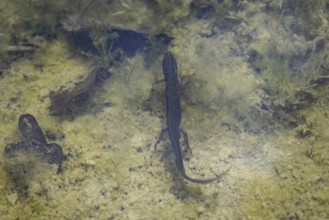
(111,170)
(291,192)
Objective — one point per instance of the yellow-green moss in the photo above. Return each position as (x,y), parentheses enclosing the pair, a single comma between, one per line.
(111,169)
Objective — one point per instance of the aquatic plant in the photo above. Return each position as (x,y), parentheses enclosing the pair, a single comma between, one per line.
(275,69)
(105,43)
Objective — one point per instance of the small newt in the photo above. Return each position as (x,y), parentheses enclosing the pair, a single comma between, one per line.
(174,115)
(34,141)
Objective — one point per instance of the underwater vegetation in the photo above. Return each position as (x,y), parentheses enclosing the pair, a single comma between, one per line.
(34,22)
(109,46)
(253,83)
(106,50)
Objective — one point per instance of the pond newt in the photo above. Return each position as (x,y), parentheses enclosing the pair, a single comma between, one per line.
(34,142)
(174,115)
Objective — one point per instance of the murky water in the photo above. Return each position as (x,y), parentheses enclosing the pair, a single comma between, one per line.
(254,84)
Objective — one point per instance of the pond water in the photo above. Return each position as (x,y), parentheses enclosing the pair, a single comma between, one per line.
(253,81)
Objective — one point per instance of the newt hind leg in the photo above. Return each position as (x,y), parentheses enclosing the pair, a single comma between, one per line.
(185,136)
(182,131)
(160,138)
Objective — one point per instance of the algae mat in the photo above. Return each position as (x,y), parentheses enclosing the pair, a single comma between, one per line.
(254,79)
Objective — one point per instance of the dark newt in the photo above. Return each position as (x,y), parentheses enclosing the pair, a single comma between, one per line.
(174,116)
(34,141)
(33,136)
